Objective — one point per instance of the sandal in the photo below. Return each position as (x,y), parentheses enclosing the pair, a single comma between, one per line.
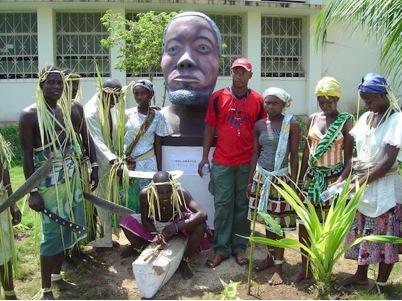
(241,258)
(215,261)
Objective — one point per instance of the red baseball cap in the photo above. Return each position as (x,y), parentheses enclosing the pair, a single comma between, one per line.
(243,62)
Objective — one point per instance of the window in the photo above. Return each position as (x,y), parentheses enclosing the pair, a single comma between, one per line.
(281,47)
(232,48)
(78,38)
(18,45)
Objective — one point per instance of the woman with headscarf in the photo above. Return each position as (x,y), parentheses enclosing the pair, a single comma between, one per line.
(275,138)
(327,154)
(143,131)
(378,136)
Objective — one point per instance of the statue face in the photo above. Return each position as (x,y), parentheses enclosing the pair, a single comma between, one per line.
(190,60)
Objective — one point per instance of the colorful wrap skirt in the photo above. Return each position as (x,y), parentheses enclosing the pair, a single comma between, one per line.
(368,252)
(277,207)
(62,194)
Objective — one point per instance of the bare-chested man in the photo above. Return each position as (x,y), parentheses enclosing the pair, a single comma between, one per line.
(43,132)
(190,220)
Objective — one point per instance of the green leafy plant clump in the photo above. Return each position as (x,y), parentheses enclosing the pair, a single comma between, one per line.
(326,239)
(139,40)
(11,134)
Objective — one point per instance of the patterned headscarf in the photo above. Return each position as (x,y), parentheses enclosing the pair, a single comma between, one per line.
(328,86)
(280,93)
(373,83)
(146,84)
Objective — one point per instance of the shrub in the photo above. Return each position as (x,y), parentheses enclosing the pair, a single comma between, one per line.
(11,134)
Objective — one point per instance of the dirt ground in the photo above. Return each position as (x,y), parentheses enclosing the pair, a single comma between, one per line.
(104,275)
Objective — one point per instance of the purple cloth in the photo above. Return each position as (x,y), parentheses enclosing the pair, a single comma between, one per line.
(373,83)
(133,224)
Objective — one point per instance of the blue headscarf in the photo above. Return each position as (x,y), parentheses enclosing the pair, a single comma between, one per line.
(373,83)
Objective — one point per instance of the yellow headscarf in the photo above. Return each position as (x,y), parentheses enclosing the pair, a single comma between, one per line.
(328,86)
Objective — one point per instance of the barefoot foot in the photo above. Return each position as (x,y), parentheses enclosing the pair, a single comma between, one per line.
(276,279)
(302,275)
(264,264)
(47,296)
(355,279)
(185,270)
(127,251)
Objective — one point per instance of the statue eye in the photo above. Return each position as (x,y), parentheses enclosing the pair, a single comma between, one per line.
(203,48)
(172,50)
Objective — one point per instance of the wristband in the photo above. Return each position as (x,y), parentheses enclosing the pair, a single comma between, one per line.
(34,190)
(94,164)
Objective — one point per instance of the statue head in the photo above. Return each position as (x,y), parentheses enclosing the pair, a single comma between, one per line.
(190,60)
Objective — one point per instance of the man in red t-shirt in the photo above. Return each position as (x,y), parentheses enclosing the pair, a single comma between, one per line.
(232,112)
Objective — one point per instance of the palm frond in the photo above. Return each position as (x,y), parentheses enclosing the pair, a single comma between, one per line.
(379,18)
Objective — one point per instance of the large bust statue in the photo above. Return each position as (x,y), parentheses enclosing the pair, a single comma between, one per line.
(190,65)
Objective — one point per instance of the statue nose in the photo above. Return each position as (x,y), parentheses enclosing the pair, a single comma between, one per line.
(186,61)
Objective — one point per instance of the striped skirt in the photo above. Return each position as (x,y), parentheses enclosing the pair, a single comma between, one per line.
(277,207)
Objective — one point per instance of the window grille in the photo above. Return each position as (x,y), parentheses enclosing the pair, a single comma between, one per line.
(281,47)
(18,45)
(232,46)
(78,38)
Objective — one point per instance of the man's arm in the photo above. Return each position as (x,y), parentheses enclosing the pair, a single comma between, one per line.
(87,143)
(14,210)
(26,127)
(206,146)
(145,220)
(104,153)
(197,218)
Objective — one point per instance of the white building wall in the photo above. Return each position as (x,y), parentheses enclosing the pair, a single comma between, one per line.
(345,56)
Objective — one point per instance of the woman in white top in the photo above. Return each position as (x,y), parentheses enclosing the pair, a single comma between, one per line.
(144,128)
(142,143)
(378,136)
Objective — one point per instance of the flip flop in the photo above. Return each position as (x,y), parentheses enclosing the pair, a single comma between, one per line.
(215,261)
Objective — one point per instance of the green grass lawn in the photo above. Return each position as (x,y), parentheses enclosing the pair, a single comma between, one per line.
(28,274)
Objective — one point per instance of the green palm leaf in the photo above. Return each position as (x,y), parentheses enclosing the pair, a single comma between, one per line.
(380,18)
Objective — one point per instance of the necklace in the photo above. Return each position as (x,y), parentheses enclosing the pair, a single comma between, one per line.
(237,111)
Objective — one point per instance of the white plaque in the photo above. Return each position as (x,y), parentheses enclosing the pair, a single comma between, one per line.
(186,158)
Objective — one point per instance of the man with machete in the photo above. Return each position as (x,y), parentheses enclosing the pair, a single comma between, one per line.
(47,129)
(166,210)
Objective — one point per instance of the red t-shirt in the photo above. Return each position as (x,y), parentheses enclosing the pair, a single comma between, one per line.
(234,121)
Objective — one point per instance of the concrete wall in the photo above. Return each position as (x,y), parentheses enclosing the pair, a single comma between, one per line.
(345,56)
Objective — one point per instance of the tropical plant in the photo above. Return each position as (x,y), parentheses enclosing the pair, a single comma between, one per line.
(326,239)
(139,40)
(5,160)
(230,291)
(380,18)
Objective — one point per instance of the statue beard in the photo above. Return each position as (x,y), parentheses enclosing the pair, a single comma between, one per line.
(190,97)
